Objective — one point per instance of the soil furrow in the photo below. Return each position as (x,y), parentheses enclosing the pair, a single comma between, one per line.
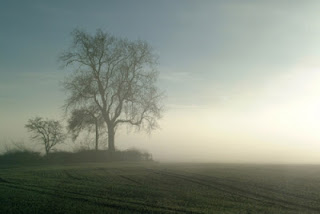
(240,192)
(126,204)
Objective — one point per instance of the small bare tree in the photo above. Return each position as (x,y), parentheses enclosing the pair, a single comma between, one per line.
(117,76)
(85,119)
(47,132)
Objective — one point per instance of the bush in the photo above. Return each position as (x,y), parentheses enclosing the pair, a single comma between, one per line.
(20,156)
(82,156)
(98,156)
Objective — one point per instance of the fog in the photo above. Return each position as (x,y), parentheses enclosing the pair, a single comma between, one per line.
(242,85)
(277,122)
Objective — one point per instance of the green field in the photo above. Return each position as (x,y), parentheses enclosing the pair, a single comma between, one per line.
(160,188)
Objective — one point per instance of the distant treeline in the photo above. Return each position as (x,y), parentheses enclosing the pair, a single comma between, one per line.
(30,157)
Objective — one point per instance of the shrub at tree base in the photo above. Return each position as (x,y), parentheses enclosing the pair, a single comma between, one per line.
(30,157)
(20,157)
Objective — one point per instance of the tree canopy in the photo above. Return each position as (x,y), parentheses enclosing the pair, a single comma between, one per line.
(48,132)
(89,119)
(115,75)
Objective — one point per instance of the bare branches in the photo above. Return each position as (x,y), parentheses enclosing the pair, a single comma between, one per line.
(84,118)
(47,132)
(115,75)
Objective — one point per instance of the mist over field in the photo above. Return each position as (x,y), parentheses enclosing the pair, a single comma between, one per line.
(144,106)
(241,78)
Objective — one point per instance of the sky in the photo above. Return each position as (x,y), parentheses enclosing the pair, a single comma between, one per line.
(241,77)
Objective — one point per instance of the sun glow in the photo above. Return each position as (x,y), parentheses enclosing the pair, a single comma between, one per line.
(292,105)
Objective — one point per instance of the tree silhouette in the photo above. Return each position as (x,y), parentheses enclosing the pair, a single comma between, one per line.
(115,75)
(85,119)
(47,132)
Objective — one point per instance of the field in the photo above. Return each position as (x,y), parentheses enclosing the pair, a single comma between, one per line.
(160,188)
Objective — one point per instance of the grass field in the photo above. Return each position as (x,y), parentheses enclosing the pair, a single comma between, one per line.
(160,188)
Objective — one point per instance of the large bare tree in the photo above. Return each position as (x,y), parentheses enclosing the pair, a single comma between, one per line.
(48,132)
(116,75)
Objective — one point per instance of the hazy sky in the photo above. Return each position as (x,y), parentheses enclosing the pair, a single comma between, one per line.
(242,77)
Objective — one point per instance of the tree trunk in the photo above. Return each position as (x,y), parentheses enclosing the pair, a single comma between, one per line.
(47,151)
(111,134)
(97,136)
(46,147)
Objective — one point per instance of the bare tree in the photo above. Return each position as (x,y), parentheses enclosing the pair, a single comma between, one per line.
(116,75)
(47,132)
(89,118)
